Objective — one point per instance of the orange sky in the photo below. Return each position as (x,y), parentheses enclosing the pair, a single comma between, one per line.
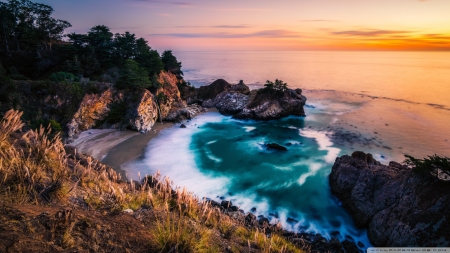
(269,24)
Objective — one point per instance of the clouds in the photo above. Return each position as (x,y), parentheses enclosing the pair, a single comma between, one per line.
(257,34)
(318,20)
(180,4)
(369,32)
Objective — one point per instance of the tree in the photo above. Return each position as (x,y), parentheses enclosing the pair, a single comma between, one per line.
(171,63)
(29,25)
(148,58)
(279,85)
(125,45)
(133,76)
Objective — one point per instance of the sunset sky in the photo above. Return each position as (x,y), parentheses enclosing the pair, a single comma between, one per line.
(268,24)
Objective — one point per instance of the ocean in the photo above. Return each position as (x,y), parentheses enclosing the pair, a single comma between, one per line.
(385,103)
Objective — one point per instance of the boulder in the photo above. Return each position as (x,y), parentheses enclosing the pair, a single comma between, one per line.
(142,114)
(226,204)
(229,102)
(275,146)
(93,108)
(264,105)
(399,207)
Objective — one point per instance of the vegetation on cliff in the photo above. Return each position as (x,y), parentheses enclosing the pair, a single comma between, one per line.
(46,73)
(433,165)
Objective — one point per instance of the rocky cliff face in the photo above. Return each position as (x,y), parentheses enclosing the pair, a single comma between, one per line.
(137,111)
(265,106)
(398,206)
(172,106)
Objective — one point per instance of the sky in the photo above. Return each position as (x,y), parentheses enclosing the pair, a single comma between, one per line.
(203,25)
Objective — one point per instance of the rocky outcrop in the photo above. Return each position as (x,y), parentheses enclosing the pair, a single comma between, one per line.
(168,96)
(399,207)
(139,112)
(142,114)
(205,95)
(239,101)
(93,108)
(228,102)
(265,105)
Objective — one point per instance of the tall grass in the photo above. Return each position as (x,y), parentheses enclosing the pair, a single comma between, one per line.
(35,168)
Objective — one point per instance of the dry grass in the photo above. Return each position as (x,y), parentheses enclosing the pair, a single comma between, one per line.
(36,169)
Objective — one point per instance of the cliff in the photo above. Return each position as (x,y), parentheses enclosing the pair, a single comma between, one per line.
(398,206)
(114,109)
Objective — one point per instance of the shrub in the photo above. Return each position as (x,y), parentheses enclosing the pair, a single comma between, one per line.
(55,126)
(15,74)
(430,165)
(63,76)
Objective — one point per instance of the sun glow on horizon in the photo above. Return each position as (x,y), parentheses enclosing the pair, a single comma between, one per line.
(269,25)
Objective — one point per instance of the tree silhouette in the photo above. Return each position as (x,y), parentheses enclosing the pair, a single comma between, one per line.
(133,76)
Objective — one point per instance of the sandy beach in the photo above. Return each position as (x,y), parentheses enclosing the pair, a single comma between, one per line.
(114,147)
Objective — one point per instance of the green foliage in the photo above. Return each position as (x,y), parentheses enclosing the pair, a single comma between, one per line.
(15,74)
(55,126)
(279,85)
(116,112)
(63,76)
(28,26)
(133,76)
(171,63)
(427,165)
(161,97)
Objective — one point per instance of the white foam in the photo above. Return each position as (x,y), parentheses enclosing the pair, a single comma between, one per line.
(313,168)
(173,144)
(249,128)
(324,143)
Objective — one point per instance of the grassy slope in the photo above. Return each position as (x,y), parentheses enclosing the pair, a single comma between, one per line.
(53,199)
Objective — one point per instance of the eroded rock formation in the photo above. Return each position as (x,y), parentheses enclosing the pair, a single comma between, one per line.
(398,206)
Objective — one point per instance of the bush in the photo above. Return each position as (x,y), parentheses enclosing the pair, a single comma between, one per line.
(55,126)
(15,74)
(428,165)
(63,76)
(279,85)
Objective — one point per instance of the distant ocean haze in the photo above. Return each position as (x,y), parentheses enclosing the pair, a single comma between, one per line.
(387,104)
(422,77)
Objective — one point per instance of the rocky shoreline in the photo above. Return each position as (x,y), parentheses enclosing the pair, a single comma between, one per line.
(399,207)
(139,111)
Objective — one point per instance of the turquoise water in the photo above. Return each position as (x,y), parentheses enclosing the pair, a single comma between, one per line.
(388,104)
(219,157)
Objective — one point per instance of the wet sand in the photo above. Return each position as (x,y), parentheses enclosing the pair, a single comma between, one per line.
(113,147)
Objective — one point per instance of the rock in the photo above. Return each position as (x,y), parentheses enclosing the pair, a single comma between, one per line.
(250,219)
(168,95)
(183,126)
(142,114)
(263,221)
(350,247)
(253,209)
(140,111)
(127,211)
(205,95)
(93,108)
(267,105)
(398,206)
(229,102)
(234,208)
(291,220)
(226,204)
(275,146)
